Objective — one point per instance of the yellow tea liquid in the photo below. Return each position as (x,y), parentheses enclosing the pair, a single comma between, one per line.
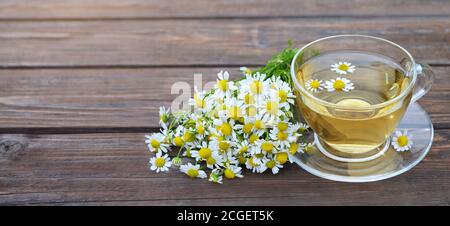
(346,128)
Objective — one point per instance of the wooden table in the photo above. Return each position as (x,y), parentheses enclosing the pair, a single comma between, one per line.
(81,82)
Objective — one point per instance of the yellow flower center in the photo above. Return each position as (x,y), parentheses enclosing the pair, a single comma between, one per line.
(248,99)
(204,153)
(189,136)
(293,148)
(338,85)
(251,111)
(282,95)
(314,84)
(211,161)
(270,164)
(159,162)
(243,149)
(282,136)
(267,146)
(200,129)
(253,138)
(256,87)
(155,143)
(247,128)
(229,173)
(281,157)
(282,126)
(224,145)
(272,107)
(234,112)
(225,129)
(223,85)
(259,124)
(192,172)
(402,141)
(343,67)
(250,162)
(178,141)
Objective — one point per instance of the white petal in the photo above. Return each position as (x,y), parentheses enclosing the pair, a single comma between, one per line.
(201,174)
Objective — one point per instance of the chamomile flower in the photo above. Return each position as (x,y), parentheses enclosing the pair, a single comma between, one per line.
(343,68)
(193,171)
(245,70)
(164,117)
(200,101)
(273,165)
(402,141)
(223,145)
(216,176)
(234,108)
(248,127)
(178,140)
(223,87)
(293,149)
(201,130)
(242,147)
(261,123)
(272,109)
(160,163)
(156,142)
(254,165)
(248,122)
(204,152)
(265,147)
(255,84)
(189,136)
(215,160)
(283,137)
(225,127)
(302,127)
(282,90)
(230,158)
(232,171)
(246,97)
(282,157)
(314,85)
(339,84)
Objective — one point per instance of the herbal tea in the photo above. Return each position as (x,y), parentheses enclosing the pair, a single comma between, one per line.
(352,82)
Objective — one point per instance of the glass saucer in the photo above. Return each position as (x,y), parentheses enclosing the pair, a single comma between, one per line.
(389,164)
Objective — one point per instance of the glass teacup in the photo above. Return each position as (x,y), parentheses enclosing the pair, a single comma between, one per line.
(353,90)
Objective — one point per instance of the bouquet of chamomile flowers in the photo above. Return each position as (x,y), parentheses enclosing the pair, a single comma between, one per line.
(246,123)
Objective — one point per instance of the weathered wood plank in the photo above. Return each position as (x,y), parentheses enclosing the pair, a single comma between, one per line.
(125,98)
(86,9)
(200,42)
(112,169)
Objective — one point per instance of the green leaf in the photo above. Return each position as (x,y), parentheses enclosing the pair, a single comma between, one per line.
(279,64)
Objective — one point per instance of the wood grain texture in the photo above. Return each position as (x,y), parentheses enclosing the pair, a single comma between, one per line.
(200,42)
(112,169)
(81,81)
(125,98)
(86,9)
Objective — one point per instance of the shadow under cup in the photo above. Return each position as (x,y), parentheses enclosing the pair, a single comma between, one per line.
(349,125)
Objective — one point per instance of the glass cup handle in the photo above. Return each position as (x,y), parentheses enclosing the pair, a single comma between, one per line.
(425,78)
